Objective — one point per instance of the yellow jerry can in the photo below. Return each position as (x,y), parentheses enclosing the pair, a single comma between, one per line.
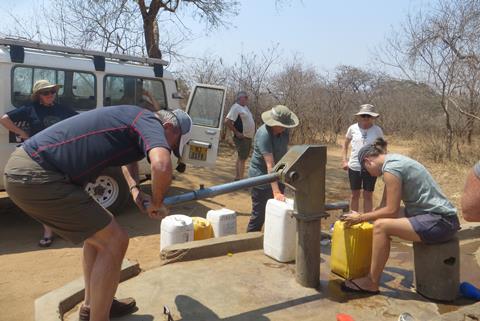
(351,250)
(202,229)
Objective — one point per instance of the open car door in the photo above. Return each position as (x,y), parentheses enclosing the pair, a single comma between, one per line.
(205,107)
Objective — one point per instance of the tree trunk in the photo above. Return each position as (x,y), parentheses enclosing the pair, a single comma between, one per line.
(150,27)
(152,38)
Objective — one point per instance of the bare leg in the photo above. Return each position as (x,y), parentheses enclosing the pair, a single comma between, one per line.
(354,201)
(383,229)
(240,168)
(367,201)
(110,245)
(89,256)
(47,232)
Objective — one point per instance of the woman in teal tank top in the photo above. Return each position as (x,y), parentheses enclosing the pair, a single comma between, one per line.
(428,215)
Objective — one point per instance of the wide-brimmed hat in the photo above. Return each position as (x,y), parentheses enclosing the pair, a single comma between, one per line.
(280,116)
(185,124)
(367,109)
(42,85)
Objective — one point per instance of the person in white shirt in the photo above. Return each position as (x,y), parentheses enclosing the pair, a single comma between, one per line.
(240,121)
(362,133)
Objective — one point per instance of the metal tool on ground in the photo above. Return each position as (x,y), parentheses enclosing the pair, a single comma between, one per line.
(167,313)
(405,316)
(303,170)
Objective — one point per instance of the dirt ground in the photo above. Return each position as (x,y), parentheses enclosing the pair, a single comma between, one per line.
(28,271)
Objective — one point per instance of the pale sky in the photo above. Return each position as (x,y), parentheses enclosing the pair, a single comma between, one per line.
(324,33)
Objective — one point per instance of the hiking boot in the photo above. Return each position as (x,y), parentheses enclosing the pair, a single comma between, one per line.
(120,307)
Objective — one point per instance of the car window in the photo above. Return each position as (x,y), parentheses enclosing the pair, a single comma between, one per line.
(128,90)
(206,106)
(77,91)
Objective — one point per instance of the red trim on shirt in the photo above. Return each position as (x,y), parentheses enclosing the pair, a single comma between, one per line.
(147,145)
(42,148)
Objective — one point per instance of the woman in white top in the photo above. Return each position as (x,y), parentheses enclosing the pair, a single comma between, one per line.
(364,132)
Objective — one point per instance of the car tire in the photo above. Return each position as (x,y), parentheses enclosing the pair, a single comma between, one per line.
(110,190)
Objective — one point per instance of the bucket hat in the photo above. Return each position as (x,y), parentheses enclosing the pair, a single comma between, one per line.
(280,116)
(41,85)
(185,124)
(367,109)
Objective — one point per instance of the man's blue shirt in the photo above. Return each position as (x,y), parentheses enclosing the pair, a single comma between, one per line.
(82,146)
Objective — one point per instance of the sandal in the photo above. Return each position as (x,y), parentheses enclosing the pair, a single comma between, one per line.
(45,241)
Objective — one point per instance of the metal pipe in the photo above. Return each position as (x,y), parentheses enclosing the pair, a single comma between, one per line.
(344,206)
(222,189)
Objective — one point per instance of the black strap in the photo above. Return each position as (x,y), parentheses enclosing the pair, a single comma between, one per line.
(238,124)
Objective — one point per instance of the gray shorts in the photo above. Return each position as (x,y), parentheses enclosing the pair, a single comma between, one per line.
(435,228)
(50,198)
(243,147)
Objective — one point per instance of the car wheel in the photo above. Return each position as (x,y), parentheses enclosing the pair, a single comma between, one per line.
(110,190)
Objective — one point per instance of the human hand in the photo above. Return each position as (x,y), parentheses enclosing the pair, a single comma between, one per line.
(23,135)
(351,218)
(279,196)
(157,212)
(345,165)
(239,135)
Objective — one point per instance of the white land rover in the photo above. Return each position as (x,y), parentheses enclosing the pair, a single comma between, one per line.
(92,79)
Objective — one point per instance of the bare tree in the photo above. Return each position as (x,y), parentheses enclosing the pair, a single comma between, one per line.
(125,26)
(297,86)
(212,12)
(428,49)
(252,74)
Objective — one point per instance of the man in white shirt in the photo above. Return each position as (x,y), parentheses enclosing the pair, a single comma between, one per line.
(240,121)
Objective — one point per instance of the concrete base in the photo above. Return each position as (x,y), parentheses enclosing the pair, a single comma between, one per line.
(251,286)
(437,269)
(53,305)
(212,247)
(467,313)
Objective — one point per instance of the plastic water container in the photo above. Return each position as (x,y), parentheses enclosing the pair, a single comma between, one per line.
(351,250)
(224,221)
(175,229)
(202,229)
(279,238)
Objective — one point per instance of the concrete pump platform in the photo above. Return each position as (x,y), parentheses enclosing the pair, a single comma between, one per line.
(251,286)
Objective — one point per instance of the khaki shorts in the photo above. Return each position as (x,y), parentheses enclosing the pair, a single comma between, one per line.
(243,147)
(50,198)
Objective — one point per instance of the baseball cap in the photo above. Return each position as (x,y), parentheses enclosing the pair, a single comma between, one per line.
(185,124)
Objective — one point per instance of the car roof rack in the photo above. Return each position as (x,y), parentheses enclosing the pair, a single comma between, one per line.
(17,47)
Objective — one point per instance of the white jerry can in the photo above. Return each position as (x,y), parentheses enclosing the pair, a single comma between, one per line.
(279,238)
(224,221)
(175,229)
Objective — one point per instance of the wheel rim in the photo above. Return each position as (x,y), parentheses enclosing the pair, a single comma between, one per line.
(105,190)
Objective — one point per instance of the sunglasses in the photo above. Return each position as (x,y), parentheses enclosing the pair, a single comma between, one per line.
(365,116)
(48,92)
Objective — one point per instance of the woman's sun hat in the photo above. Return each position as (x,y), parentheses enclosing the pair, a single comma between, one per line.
(280,116)
(42,85)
